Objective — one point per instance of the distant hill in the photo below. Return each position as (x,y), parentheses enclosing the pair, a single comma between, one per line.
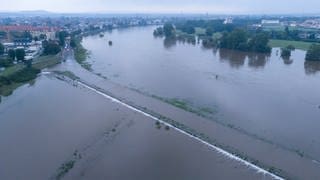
(35,12)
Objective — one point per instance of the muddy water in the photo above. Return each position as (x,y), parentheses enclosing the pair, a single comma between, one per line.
(47,124)
(266,96)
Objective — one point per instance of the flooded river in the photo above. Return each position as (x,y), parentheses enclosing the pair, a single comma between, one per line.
(268,97)
(56,127)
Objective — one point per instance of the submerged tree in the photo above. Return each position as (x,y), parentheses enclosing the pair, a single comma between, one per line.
(169,30)
(313,54)
(285,53)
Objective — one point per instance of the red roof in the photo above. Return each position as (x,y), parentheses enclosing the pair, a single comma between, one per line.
(28,28)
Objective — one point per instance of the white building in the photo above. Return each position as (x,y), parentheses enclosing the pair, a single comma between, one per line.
(266,22)
(228,20)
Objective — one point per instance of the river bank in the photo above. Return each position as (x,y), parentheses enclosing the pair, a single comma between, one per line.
(9,83)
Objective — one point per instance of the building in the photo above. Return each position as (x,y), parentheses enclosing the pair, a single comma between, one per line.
(266,22)
(228,20)
(35,31)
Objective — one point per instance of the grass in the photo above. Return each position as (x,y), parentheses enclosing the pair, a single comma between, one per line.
(65,168)
(81,54)
(11,70)
(15,78)
(200,31)
(6,90)
(68,74)
(19,75)
(46,61)
(284,43)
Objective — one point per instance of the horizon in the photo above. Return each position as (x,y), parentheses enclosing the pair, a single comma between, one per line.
(241,7)
(40,11)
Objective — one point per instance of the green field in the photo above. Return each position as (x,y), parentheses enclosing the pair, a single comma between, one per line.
(282,28)
(200,31)
(284,43)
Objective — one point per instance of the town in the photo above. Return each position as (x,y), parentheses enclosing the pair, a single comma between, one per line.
(26,34)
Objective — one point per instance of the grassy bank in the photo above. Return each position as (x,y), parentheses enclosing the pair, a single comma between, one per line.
(46,61)
(81,54)
(9,83)
(284,43)
(19,74)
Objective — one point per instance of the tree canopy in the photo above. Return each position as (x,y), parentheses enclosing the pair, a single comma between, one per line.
(238,39)
(20,53)
(11,54)
(1,49)
(168,30)
(313,54)
(50,48)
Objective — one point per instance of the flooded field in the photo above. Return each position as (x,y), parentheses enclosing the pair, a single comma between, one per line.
(57,128)
(274,99)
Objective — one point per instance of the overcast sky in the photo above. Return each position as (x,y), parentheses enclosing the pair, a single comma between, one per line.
(166,6)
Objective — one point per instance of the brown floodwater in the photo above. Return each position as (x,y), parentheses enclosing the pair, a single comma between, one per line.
(53,122)
(264,95)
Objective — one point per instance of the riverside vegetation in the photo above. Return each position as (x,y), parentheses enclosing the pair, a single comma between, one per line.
(238,36)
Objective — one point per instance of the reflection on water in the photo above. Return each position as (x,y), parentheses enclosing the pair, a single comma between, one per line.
(311,67)
(287,61)
(257,60)
(237,59)
(256,92)
(234,58)
(169,42)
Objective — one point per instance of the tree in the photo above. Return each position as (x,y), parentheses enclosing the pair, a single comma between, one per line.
(1,49)
(61,36)
(36,38)
(158,31)
(43,37)
(12,54)
(237,40)
(50,48)
(285,53)
(20,53)
(168,30)
(189,29)
(209,31)
(313,54)
(259,43)
(73,43)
